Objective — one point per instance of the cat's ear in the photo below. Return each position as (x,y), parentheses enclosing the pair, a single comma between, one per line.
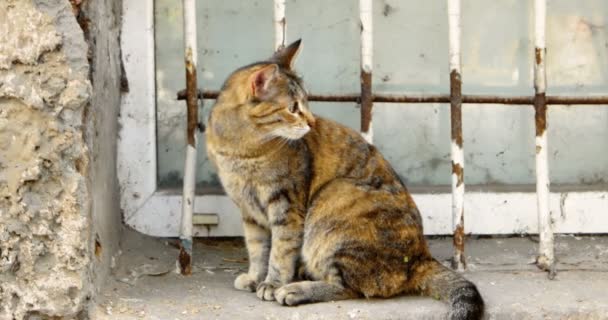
(261,80)
(285,57)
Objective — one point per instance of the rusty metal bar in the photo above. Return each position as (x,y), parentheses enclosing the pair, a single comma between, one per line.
(436,98)
(566,100)
(190,53)
(546,258)
(457,152)
(367,45)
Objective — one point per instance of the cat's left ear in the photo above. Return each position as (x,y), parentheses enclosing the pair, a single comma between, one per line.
(261,81)
(285,57)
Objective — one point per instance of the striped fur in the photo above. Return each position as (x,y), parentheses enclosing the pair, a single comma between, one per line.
(316,197)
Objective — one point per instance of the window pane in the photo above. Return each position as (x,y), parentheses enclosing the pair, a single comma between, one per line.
(410,56)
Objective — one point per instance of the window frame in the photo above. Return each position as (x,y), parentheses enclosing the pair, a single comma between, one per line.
(157,212)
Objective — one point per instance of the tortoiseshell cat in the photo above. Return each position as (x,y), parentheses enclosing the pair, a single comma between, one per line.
(318,202)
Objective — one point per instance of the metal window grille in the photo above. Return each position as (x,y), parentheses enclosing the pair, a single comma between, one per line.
(366,98)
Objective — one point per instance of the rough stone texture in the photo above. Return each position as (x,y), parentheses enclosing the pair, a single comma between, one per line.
(45,202)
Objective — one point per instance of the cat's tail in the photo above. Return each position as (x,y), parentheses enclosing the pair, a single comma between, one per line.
(447,285)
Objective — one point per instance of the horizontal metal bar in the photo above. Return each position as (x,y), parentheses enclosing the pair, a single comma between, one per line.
(577,100)
(437,98)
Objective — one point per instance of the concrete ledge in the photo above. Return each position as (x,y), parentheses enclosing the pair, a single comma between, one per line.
(512,287)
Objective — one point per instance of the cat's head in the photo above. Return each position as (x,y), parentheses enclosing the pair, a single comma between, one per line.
(270,97)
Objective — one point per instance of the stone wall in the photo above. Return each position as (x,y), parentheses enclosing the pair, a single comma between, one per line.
(58,194)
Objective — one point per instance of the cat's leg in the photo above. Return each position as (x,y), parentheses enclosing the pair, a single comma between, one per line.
(302,292)
(287,230)
(257,239)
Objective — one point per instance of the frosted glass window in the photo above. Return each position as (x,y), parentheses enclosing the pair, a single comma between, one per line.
(410,56)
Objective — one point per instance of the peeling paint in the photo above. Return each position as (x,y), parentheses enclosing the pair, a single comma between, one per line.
(456,150)
(458,261)
(456,106)
(366,101)
(367,45)
(539,53)
(540,116)
(546,258)
(280,24)
(192,98)
(185,255)
(457,170)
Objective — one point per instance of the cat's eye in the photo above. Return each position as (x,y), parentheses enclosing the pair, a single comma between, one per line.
(294,107)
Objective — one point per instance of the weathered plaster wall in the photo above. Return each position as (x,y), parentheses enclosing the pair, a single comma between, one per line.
(100,20)
(59,221)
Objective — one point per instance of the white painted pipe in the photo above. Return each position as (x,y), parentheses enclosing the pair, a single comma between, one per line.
(546,257)
(457,152)
(280,24)
(365,12)
(367,45)
(454,25)
(188,192)
(540,14)
(188,197)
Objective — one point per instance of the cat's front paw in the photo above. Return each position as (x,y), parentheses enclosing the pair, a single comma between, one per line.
(265,290)
(292,294)
(245,282)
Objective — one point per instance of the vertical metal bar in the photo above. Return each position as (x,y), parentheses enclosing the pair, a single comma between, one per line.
(454,24)
(190,50)
(546,259)
(280,25)
(367,45)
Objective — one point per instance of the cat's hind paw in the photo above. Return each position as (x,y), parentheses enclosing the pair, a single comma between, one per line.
(245,282)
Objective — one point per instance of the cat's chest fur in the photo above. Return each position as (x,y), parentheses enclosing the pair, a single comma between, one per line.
(253,182)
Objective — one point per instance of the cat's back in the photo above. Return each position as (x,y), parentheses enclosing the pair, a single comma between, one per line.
(341,152)
(327,133)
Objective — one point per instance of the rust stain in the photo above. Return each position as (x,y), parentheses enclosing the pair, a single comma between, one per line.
(538,53)
(75,6)
(538,149)
(191,98)
(540,115)
(366,100)
(185,261)
(459,172)
(78,9)
(564,100)
(459,238)
(436,98)
(456,107)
